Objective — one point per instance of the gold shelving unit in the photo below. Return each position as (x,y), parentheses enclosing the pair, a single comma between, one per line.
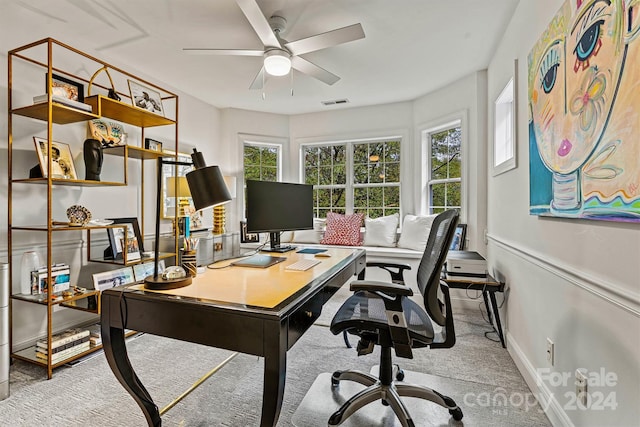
(40,55)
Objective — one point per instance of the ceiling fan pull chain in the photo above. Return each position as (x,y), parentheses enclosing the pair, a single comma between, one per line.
(291,82)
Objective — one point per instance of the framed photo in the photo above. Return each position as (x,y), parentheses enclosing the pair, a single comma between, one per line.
(247,237)
(113,278)
(145,98)
(457,244)
(152,144)
(140,271)
(61,159)
(66,88)
(117,241)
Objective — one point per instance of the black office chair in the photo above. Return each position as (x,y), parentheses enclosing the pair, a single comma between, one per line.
(381,314)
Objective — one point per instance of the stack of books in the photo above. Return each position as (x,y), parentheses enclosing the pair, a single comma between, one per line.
(64,345)
(95,338)
(62,100)
(466,266)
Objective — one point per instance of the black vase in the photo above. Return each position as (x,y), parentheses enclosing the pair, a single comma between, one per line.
(92,159)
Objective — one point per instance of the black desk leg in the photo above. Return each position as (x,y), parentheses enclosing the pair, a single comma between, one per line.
(486,305)
(275,372)
(496,315)
(115,351)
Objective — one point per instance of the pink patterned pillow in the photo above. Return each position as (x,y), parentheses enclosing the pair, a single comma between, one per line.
(343,229)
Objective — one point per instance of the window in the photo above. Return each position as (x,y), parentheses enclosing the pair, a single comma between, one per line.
(354,177)
(504,133)
(444,183)
(262,162)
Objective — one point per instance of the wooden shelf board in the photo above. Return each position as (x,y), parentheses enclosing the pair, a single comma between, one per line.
(126,113)
(61,113)
(42,298)
(162,255)
(73,182)
(63,227)
(132,152)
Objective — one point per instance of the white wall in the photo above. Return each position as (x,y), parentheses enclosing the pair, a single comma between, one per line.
(574,281)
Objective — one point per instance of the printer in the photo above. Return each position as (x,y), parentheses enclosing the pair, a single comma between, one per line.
(465,265)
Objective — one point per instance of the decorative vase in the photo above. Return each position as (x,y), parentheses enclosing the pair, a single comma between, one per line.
(92,159)
(30,262)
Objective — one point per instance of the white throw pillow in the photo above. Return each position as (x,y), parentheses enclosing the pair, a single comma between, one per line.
(381,231)
(310,236)
(415,232)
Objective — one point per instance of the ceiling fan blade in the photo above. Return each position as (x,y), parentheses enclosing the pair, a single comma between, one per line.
(313,70)
(236,52)
(325,40)
(258,81)
(259,23)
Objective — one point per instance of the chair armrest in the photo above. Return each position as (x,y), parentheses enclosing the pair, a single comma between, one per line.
(376,286)
(396,276)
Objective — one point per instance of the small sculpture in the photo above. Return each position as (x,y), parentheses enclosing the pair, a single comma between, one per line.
(92,159)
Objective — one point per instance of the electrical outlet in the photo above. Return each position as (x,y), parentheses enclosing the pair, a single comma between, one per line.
(550,351)
(581,387)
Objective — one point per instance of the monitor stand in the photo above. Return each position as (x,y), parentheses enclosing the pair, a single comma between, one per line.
(275,246)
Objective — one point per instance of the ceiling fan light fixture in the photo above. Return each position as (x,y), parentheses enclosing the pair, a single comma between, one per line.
(277,62)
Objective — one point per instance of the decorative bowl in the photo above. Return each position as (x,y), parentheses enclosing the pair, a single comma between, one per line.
(78,215)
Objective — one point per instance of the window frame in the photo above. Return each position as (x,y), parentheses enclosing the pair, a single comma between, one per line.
(505,126)
(425,130)
(349,167)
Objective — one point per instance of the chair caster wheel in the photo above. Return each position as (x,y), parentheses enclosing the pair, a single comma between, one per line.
(335,419)
(400,375)
(456,414)
(334,379)
(384,402)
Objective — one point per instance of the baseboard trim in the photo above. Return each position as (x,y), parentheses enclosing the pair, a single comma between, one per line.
(543,395)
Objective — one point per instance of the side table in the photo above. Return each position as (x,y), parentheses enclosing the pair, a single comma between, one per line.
(489,287)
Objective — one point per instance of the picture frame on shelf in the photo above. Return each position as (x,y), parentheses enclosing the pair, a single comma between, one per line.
(145,97)
(246,237)
(134,244)
(112,278)
(140,271)
(109,133)
(62,161)
(65,88)
(152,144)
(457,244)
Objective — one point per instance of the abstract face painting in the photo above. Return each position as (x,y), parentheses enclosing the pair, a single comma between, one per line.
(580,71)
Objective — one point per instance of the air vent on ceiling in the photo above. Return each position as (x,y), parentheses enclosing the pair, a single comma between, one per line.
(336,102)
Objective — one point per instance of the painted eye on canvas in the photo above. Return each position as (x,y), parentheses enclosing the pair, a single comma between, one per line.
(588,41)
(549,70)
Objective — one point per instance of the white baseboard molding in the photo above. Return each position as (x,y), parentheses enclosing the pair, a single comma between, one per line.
(546,399)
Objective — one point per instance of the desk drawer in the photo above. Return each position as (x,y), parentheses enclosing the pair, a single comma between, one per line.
(303,318)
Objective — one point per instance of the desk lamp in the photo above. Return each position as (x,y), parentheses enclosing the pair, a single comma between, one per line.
(207,188)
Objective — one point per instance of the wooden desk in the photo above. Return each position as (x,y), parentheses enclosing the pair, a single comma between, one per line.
(255,311)
(489,289)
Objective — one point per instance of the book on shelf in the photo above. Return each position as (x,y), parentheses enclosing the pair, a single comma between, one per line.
(42,347)
(60,276)
(95,336)
(62,100)
(65,354)
(64,337)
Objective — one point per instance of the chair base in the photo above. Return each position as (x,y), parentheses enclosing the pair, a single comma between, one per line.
(389,394)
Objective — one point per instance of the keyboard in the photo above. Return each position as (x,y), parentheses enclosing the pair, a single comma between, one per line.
(303,264)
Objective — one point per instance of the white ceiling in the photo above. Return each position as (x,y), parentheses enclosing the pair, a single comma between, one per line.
(411,47)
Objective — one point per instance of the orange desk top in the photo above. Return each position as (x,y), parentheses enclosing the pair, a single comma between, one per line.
(260,287)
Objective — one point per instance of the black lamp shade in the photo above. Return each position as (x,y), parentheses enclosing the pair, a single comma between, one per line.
(207,187)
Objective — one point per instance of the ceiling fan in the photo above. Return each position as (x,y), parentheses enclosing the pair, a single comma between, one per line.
(281,55)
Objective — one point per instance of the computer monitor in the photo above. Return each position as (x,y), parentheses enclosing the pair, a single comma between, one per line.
(273,207)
